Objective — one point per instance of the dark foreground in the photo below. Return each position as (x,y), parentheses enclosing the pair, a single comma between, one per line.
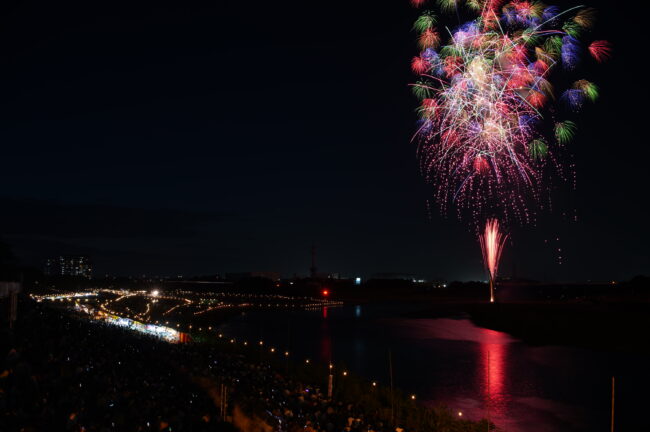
(60,372)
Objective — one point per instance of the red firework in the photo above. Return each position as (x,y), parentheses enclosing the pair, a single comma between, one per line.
(600,50)
(420,65)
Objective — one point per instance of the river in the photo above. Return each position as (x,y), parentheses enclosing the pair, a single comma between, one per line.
(474,371)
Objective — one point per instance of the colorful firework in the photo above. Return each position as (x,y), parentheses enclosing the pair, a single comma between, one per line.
(492,243)
(491,134)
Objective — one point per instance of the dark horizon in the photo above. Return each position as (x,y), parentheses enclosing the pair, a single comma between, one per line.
(161,138)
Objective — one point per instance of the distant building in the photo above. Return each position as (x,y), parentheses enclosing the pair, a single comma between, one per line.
(399,276)
(69,265)
(274,276)
(51,265)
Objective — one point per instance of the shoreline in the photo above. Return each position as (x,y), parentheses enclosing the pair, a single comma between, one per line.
(601,326)
(385,408)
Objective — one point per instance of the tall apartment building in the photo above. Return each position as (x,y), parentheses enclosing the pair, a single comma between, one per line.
(69,265)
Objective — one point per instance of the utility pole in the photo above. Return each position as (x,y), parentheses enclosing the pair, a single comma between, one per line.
(613,394)
(330,382)
(392,400)
(286,353)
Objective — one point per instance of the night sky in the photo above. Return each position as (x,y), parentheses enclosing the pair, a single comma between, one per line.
(166,138)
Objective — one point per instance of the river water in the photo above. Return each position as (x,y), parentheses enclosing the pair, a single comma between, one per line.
(474,371)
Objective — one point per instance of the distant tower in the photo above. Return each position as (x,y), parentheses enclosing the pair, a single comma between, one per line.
(313,270)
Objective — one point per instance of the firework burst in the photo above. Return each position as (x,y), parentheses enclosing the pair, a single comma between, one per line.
(491,132)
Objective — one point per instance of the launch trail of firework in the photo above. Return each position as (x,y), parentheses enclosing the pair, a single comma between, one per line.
(492,243)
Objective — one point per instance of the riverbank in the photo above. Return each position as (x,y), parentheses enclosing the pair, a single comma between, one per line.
(378,407)
(95,376)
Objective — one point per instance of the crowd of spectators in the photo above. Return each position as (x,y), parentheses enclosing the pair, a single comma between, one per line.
(62,372)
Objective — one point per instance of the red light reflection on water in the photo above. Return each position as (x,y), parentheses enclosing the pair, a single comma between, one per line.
(493,367)
(490,375)
(325,339)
